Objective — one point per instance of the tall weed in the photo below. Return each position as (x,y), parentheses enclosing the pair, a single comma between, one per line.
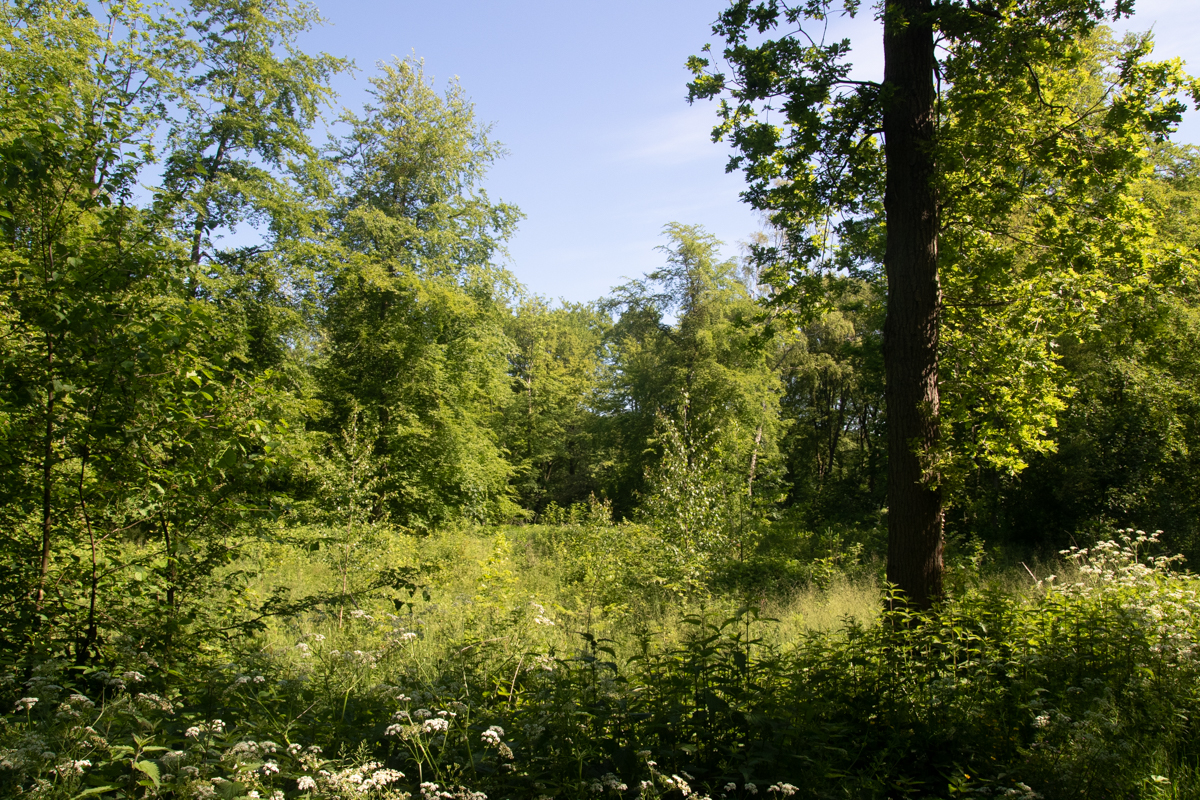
(521,674)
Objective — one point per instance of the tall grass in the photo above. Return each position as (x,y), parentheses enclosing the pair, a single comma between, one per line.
(571,661)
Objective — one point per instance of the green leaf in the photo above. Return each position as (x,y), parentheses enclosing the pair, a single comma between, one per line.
(228,459)
(150,770)
(95,790)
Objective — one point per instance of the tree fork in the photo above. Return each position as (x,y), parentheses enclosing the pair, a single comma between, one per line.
(910,336)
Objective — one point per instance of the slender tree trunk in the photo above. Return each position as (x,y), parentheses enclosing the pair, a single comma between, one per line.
(91,634)
(913,303)
(754,458)
(835,430)
(171,546)
(202,216)
(758,432)
(47,481)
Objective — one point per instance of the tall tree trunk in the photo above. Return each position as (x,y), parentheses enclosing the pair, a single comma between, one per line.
(47,483)
(88,642)
(913,303)
(754,454)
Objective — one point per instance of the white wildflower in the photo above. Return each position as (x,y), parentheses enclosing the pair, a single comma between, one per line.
(382,777)
(611,781)
(25,704)
(679,784)
(436,725)
(72,767)
(246,748)
(305,783)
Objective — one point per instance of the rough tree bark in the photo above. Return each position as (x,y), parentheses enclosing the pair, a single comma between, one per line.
(910,343)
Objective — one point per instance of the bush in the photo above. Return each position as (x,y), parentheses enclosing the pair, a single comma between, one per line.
(1080,688)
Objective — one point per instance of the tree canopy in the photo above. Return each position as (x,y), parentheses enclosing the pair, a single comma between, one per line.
(369,368)
(990,175)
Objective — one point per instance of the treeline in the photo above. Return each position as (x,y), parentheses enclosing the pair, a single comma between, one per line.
(368,363)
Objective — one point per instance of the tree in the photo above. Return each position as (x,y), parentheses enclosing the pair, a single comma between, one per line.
(246,113)
(415,305)
(708,376)
(922,154)
(129,447)
(1126,441)
(549,425)
(833,399)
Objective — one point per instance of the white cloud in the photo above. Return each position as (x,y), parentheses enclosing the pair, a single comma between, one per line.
(681,137)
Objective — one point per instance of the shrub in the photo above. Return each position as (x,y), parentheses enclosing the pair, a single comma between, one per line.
(1081,688)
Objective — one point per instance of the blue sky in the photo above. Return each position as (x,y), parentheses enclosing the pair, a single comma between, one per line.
(589,98)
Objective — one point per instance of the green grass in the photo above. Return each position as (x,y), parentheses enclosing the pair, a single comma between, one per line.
(605,664)
(491,583)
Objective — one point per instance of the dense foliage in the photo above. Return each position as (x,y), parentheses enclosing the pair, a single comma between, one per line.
(1077,686)
(302,494)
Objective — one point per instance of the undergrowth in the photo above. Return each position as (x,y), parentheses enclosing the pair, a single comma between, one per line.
(556,663)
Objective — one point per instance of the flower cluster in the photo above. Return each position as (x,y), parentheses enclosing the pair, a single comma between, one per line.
(431,790)
(540,617)
(213,727)
(607,782)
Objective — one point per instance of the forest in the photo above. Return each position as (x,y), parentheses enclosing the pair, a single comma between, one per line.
(304,495)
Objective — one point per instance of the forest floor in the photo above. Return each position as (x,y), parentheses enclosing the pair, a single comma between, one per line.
(564,662)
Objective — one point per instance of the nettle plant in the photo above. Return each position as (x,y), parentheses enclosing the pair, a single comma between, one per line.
(136,744)
(1082,687)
